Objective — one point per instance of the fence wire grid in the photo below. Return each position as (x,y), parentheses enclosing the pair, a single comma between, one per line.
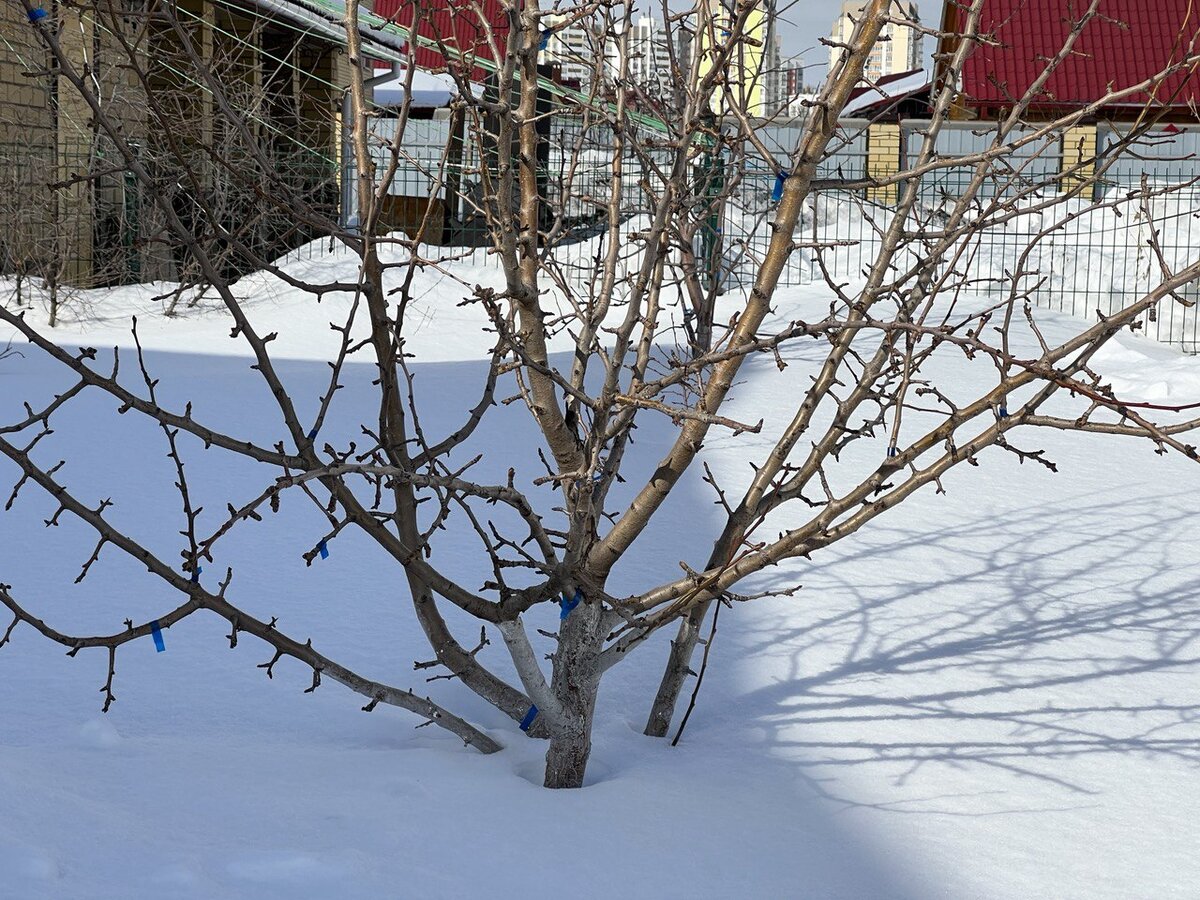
(1087,256)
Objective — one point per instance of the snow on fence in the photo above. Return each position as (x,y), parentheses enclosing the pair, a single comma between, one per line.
(1086,257)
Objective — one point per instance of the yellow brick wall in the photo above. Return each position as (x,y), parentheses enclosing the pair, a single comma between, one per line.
(1079,159)
(72,227)
(25,116)
(27,147)
(883,160)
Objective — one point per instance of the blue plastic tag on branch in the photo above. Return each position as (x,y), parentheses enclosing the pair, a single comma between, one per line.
(545,42)
(36,15)
(777,193)
(529,717)
(568,605)
(196,575)
(156,633)
(323,549)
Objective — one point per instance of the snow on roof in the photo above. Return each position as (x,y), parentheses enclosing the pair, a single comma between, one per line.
(428,89)
(385,38)
(448,28)
(889,89)
(326,18)
(1128,43)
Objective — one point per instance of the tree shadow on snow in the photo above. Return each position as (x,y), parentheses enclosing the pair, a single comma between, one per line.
(1010,642)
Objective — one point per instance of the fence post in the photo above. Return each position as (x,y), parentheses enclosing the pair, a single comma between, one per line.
(74,204)
(1079,153)
(883,160)
(340,77)
(712,184)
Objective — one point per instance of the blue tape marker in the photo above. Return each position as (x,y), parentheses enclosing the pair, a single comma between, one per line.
(36,15)
(312,435)
(892,452)
(568,605)
(545,40)
(196,574)
(156,633)
(323,549)
(777,193)
(1004,412)
(529,717)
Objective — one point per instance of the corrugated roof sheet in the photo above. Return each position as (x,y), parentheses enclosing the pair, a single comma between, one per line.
(1130,41)
(888,90)
(454,23)
(458,24)
(326,20)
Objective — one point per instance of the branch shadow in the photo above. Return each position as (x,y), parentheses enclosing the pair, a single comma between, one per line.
(986,641)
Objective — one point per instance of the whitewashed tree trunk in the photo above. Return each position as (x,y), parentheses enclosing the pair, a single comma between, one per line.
(575,684)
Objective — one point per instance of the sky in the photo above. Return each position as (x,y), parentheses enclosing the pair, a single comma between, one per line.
(803,22)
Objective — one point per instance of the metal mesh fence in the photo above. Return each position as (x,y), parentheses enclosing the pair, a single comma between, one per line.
(79,215)
(64,214)
(1087,256)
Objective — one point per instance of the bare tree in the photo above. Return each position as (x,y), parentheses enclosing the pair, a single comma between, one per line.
(662,184)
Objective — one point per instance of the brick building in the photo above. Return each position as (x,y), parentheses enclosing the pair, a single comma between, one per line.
(68,211)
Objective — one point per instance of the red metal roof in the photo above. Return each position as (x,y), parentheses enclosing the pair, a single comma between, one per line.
(456,24)
(1129,41)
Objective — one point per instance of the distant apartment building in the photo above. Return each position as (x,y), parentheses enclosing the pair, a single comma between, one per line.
(783,80)
(649,63)
(790,88)
(743,83)
(898,48)
(772,76)
(575,50)
(572,48)
(649,52)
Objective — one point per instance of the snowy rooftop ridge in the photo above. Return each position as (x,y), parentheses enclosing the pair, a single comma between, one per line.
(890,89)
(327,20)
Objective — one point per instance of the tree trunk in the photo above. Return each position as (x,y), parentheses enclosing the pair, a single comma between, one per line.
(679,663)
(678,669)
(575,683)
(796,190)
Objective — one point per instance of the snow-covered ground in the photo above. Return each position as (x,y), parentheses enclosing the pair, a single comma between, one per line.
(991,693)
